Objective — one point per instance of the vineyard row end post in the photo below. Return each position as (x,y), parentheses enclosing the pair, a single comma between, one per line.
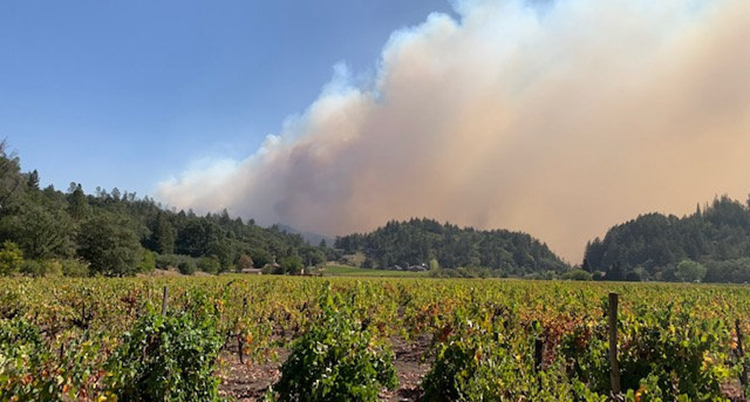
(614,364)
(741,352)
(164,302)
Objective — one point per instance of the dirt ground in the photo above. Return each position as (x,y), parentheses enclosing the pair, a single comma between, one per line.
(248,382)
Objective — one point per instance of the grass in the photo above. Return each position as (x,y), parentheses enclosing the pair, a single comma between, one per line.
(343,270)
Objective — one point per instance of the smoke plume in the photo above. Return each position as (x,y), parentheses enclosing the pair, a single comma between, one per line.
(559,120)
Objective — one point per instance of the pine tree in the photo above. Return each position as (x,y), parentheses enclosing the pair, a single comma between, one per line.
(163,235)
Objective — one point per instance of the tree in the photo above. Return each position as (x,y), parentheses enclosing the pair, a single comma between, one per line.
(690,271)
(11,180)
(42,231)
(615,273)
(11,258)
(261,257)
(313,256)
(109,243)
(244,262)
(195,238)
(162,235)
(33,181)
(224,253)
(585,266)
(291,265)
(78,206)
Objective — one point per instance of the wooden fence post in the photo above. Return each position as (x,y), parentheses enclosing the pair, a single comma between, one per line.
(164,302)
(538,354)
(741,352)
(240,338)
(614,364)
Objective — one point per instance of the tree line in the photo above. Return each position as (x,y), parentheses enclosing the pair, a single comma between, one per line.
(710,245)
(114,233)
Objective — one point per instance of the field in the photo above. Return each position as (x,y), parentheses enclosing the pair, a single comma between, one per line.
(342,270)
(451,339)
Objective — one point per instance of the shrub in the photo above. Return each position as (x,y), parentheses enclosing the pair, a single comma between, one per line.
(75,268)
(168,358)
(11,258)
(52,268)
(576,275)
(32,370)
(209,264)
(166,261)
(336,360)
(663,351)
(186,267)
(485,362)
(32,268)
(148,261)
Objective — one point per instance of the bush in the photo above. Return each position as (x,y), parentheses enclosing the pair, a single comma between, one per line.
(485,362)
(166,261)
(52,268)
(168,358)
(209,264)
(11,258)
(336,360)
(148,262)
(75,268)
(664,351)
(33,370)
(576,275)
(32,268)
(186,267)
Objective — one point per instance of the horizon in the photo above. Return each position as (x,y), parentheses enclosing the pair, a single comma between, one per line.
(558,118)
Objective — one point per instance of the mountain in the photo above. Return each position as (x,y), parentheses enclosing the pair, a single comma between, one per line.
(313,239)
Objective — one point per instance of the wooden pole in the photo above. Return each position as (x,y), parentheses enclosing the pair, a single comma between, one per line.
(240,338)
(614,374)
(741,352)
(538,354)
(164,302)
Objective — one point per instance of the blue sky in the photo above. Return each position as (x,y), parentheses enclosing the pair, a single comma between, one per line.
(125,94)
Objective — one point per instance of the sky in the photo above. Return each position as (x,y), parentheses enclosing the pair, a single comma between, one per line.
(557,118)
(126,94)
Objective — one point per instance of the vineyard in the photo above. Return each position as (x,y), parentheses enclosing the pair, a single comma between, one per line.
(291,338)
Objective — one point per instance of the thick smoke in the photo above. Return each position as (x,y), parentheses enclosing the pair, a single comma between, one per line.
(558,121)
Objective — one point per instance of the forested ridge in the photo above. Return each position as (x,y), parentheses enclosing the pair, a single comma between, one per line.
(711,245)
(426,241)
(116,233)
(113,233)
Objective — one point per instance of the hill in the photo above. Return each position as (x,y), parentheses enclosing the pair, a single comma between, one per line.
(660,247)
(428,242)
(310,237)
(116,233)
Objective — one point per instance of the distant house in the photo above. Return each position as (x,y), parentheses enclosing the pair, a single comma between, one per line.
(397,268)
(417,268)
(252,271)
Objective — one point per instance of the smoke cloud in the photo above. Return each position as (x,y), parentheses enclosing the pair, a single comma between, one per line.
(559,121)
